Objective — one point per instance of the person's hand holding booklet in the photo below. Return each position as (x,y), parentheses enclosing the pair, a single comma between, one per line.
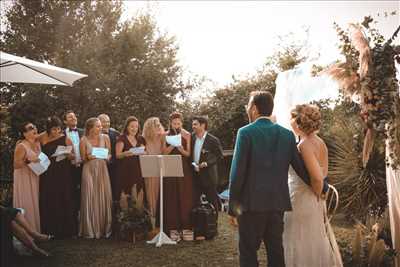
(100,152)
(41,166)
(174,140)
(138,150)
(62,152)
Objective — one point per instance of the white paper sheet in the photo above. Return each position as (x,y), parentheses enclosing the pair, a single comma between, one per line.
(138,150)
(62,152)
(100,152)
(174,140)
(196,166)
(40,167)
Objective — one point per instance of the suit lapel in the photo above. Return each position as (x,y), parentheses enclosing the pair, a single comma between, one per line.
(204,147)
(192,144)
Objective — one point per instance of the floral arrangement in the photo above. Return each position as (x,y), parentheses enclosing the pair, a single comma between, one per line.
(369,75)
(133,217)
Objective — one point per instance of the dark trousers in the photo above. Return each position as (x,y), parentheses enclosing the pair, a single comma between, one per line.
(111,173)
(208,188)
(77,179)
(255,227)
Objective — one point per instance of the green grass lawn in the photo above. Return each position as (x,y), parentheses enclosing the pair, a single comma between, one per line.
(222,251)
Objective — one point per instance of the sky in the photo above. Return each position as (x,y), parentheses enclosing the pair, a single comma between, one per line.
(218,39)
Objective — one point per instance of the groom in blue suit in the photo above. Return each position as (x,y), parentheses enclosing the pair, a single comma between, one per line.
(258,190)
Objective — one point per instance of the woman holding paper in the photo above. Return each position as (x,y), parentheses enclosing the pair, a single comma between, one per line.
(153,133)
(96,198)
(26,182)
(178,192)
(127,149)
(56,199)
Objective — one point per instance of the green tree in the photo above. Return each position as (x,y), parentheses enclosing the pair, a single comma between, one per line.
(132,68)
(225,108)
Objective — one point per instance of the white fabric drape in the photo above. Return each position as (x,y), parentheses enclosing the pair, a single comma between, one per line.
(393,187)
(298,86)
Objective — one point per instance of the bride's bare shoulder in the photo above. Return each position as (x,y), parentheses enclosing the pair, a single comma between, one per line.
(315,143)
(304,144)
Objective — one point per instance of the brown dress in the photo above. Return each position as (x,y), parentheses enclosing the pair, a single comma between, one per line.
(128,171)
(56,199)
(178,196)
(26,189)
(96,198)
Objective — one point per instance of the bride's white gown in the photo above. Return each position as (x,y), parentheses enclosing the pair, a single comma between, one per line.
(308,239)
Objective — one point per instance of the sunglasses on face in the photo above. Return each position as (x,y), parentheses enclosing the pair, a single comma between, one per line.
(30,128)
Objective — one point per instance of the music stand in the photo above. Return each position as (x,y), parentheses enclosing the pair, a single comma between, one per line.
(161,166)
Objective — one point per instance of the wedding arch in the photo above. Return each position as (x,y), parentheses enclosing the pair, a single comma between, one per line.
(368,76)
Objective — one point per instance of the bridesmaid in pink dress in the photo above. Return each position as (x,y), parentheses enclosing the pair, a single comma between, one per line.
(26,182)
(154,134)
(96,197)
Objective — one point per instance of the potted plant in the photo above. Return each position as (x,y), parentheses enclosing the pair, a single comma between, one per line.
(133,218)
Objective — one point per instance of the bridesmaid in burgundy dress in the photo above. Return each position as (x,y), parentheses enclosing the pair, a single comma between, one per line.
(178,192)
(56,202)
(128,171)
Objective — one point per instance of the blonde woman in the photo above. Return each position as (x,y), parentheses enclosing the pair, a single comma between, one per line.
(154,135)
(96,198)
(308,239)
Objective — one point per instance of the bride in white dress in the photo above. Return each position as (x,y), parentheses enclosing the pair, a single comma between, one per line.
(308,238)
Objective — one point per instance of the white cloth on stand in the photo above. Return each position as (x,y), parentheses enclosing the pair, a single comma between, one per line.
(393,188)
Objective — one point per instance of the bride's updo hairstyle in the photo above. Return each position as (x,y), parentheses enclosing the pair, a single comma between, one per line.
(308,118)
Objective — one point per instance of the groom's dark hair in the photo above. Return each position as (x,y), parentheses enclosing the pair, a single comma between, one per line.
(264,102)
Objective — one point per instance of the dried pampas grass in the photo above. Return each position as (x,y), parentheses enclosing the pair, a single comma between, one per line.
(378,252)
(347,78)
(360,42)
(356,245)
(368,146)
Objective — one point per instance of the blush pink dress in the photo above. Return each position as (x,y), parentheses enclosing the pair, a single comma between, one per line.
(26,188)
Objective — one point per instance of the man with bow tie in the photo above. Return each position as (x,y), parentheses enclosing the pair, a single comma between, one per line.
(75,134)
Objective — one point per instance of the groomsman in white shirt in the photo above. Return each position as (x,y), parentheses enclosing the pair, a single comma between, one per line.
(75,134)
(206,153)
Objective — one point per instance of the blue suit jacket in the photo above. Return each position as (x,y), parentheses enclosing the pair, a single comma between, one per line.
(259,171)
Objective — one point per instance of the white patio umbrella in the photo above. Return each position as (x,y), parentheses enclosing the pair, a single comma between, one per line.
(21,70)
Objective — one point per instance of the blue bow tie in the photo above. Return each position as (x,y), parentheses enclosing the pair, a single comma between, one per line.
(73,130)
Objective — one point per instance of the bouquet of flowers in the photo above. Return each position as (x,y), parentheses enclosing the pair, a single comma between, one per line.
(133,217)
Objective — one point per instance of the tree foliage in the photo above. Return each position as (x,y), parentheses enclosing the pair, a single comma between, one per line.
(225,108)
(132,67)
